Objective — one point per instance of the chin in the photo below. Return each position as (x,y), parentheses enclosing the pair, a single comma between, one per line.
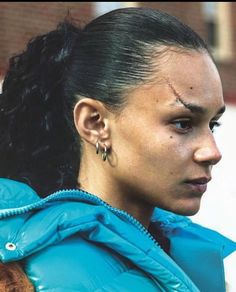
(189,209)
(190,212)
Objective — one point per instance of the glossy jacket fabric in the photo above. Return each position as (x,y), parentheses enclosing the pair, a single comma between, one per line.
(73,241)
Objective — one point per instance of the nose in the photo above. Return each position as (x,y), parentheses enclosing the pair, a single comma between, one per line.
(208,152)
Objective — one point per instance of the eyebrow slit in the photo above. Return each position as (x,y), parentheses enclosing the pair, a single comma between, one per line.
(193,107)
(190,106)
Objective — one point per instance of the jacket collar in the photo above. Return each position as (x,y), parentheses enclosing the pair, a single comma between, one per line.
(47,221)
(50,220)
(15,194)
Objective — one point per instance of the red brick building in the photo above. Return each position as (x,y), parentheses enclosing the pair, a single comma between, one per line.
(214,21)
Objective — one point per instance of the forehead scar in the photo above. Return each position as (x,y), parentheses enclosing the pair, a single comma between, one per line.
(173,89)
(190,106)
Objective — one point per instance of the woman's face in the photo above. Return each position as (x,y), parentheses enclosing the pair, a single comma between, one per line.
(163,140)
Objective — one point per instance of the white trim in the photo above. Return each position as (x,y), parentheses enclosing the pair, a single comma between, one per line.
(224,51)
(100,8)
(1,82)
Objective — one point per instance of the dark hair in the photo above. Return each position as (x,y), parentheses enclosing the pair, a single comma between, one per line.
(110,55)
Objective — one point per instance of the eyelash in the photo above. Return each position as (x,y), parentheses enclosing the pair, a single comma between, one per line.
(213,125)
(189,125)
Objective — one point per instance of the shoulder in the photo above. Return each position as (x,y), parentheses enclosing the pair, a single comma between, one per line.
(79,265)
(15,194)
(192,244)
(181,227)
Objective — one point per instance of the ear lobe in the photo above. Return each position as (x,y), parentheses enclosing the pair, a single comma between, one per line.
(90,118)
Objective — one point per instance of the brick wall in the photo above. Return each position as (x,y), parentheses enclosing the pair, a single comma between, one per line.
(192,14)
(20,21)
(188,12)
(228,69)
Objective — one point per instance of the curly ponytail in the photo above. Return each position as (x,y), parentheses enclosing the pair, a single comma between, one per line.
(38,144)
(113,54)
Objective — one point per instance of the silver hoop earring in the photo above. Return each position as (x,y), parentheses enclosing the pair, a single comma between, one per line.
(104,153)
(97,147)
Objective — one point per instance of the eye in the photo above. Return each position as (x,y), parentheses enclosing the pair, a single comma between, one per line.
(183,126)
(213,125)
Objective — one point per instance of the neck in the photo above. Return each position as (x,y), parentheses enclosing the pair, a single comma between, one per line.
(94,179)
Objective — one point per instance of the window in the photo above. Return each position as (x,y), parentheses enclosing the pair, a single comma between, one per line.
(210,16)
(1,82)
(219,29)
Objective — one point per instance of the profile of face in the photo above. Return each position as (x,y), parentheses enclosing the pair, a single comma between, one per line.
(163,138)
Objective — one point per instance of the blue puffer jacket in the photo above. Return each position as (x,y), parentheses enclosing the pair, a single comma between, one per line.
(73,241)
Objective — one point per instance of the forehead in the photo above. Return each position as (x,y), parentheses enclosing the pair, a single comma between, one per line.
(191,73)
(191,77)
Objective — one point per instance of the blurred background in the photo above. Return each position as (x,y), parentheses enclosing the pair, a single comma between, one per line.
(214,21)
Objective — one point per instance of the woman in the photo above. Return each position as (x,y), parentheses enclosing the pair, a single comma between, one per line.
(112,124)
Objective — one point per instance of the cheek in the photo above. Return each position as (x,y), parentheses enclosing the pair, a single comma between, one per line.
(129,140)
(170,155)
(149,149)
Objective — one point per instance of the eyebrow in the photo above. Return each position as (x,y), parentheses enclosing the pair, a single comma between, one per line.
(194,108)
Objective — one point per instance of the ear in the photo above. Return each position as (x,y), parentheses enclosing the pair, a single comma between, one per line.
(91,119)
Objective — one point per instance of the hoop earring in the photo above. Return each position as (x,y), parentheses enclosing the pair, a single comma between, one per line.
(104,153)
(97,147)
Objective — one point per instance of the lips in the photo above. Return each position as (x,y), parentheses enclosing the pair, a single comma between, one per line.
(198,185)
(201,180)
